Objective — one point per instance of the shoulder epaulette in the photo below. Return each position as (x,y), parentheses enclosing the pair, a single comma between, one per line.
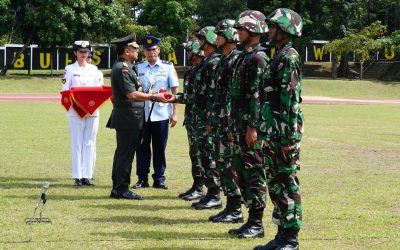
(166,62)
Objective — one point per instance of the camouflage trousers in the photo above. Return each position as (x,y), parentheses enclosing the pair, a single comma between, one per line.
(203,141)
(284,187)
(194,152)
(223,150)
(250,163)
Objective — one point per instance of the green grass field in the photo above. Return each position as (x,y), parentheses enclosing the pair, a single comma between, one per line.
(350,179)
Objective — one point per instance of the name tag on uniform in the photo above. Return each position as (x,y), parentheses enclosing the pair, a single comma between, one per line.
(161,74)
(76,75)
(141,74)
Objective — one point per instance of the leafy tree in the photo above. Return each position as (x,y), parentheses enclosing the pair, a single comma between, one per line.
(49,23)
(210,12)
(171,17)
(6,20)
(362,43)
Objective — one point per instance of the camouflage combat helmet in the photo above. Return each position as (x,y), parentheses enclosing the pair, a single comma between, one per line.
(253,21)
(225,29)
(193,45)
(287,20)
(208,33)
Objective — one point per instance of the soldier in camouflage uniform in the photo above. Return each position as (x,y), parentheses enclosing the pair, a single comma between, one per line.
(196,56)
(248,159)
(204,91)
(282,92)
(227,38)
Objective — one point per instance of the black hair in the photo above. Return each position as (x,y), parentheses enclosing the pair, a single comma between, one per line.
(120,49)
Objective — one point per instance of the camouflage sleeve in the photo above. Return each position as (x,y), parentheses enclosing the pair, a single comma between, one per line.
(226,119)
(210,91)
(290,98)
(183,97)
(257,67)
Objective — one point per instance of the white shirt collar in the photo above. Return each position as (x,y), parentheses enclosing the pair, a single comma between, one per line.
(158,62)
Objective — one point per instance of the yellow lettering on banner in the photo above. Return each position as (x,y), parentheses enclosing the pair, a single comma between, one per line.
(96,57)
(172,58)
(273,51)
(44,65)
(19,63)
(67,60)
(318,53)
(391,56)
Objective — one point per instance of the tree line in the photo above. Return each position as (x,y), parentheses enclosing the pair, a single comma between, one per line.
(49,23)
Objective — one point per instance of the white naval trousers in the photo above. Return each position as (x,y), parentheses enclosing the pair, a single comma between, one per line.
(83,145)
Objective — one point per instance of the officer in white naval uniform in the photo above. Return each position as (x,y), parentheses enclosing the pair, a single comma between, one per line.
(83,131)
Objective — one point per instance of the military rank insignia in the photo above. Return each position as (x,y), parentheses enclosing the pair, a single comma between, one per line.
(125,67)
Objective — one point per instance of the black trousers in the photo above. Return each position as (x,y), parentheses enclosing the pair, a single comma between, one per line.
(123,158)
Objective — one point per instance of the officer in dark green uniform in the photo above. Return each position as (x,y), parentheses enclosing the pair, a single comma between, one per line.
(127,116)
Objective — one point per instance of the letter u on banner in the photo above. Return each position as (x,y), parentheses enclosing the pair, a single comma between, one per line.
(44,63)
(392,54)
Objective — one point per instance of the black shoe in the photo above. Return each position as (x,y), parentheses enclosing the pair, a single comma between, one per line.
(196,194)
(87,182)
(160,184)
(239,230)
(78,182)
(190,190)
(229,217)
(112,194)
(129,195)
(141,184)
(273,244)
(221,213)
(210,203)
(202,200)
(254,228)
(289,240)
(252,231)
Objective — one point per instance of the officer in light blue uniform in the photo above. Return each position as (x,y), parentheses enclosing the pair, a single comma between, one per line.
(156,76)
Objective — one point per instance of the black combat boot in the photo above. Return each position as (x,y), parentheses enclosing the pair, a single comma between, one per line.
(254,227)
(197,193)
(289,240)
(273,244)
(237,231)
(232,213)
(221,213)
(209,202)
(194,193)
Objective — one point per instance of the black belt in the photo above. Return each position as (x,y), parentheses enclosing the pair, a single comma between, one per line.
(130,104)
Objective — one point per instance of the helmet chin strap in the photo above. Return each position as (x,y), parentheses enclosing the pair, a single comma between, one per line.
(247,40)
(203,44)
(223,45)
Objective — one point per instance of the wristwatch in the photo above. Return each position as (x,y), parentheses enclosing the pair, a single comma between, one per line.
(153,98)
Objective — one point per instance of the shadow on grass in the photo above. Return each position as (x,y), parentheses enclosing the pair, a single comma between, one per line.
(24,182)
(160,197)
(163,235)
(178,248)
(61,197)
(147,220)
(140,206)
